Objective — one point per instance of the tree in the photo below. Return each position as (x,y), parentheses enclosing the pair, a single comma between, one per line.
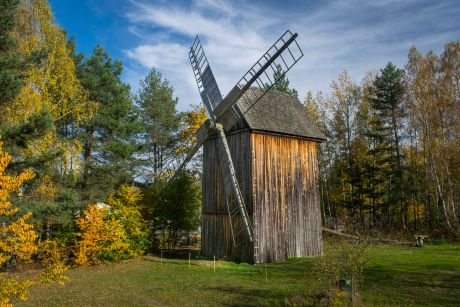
(432,95)
(161,121)
(10,80)
(387,101)
(345,100)
(283,83)
(176,210)
(317,108)
(110,137)
(13,66)
(191,122)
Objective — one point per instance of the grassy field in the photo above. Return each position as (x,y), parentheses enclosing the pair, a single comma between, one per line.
(395,276)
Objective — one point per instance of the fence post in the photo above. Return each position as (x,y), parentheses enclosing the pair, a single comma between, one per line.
(189,257)
(214,264)
(266,273)
(161,257)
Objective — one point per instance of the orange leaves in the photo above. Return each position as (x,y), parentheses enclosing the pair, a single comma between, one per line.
(101,237)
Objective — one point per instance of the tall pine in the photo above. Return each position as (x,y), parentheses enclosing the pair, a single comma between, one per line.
(161,121)
(388,105)
(109,139)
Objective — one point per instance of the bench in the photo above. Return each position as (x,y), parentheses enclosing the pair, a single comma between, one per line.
(418,240)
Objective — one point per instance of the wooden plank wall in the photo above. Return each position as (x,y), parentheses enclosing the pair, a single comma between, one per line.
(216,239)
(285,197)
(279,179)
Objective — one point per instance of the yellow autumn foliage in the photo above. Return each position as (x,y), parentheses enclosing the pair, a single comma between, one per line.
(50,83)
(127,210)
(53,84)
(17,241)
(18,237)
(101,237)
(192,121)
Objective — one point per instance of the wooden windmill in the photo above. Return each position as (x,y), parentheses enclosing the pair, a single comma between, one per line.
(260,180)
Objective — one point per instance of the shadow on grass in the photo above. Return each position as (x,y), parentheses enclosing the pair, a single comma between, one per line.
(242,296)
(419,286)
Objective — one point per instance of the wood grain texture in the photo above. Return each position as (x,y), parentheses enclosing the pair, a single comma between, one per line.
(278,177)
(285,197)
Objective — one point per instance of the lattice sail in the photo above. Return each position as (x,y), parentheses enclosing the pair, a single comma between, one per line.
(207,85)
(259,79)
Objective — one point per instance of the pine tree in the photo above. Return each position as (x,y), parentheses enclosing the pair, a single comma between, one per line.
(388,105)
(109,138)
(283,83)
(161,120)
(10,79)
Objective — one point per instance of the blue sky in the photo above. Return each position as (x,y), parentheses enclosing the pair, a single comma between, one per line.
(352,35)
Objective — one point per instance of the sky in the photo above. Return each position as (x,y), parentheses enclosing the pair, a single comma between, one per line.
(352,35)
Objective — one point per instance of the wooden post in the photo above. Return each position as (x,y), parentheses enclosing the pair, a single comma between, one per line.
(266,273)
(189,257)
(161,257)
(214,264)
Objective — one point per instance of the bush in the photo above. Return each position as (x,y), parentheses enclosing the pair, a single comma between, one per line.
(17,241)
(100,238)
(127,210)
(344,261)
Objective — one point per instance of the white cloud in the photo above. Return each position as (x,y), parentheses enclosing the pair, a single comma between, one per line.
(162,56)
(354,35)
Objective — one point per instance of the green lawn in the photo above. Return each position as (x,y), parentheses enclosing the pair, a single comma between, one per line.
(396,276)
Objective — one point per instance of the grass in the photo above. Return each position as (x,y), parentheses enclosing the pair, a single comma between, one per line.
(395,276)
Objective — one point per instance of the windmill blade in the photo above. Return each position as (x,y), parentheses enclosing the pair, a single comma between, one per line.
(207,85)
(237,212)
(284,53)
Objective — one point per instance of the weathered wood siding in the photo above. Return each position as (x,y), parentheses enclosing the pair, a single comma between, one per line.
(285,197)
(278,177)
(216,238)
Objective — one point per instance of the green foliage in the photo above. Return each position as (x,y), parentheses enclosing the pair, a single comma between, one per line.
(160,121)
(109,138)
(177,210)
(282,84)
(35,127)
(344,260)
(10,79)
(13,66)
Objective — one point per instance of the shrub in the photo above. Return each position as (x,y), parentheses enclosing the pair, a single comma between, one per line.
(53,255)
(345,260)
(17,240)
(127,210)
(101,237)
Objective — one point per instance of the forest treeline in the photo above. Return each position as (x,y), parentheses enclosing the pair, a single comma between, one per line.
(80,154)
(72,121)
(391,161)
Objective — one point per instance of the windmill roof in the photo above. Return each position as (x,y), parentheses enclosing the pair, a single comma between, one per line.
(281,113)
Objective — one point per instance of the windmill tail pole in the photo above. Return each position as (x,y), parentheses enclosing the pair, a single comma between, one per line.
(338,233)
(352,237)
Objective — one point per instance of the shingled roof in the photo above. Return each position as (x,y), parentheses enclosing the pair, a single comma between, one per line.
(280,113)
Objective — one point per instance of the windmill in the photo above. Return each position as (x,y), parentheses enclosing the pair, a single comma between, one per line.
(226,116)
